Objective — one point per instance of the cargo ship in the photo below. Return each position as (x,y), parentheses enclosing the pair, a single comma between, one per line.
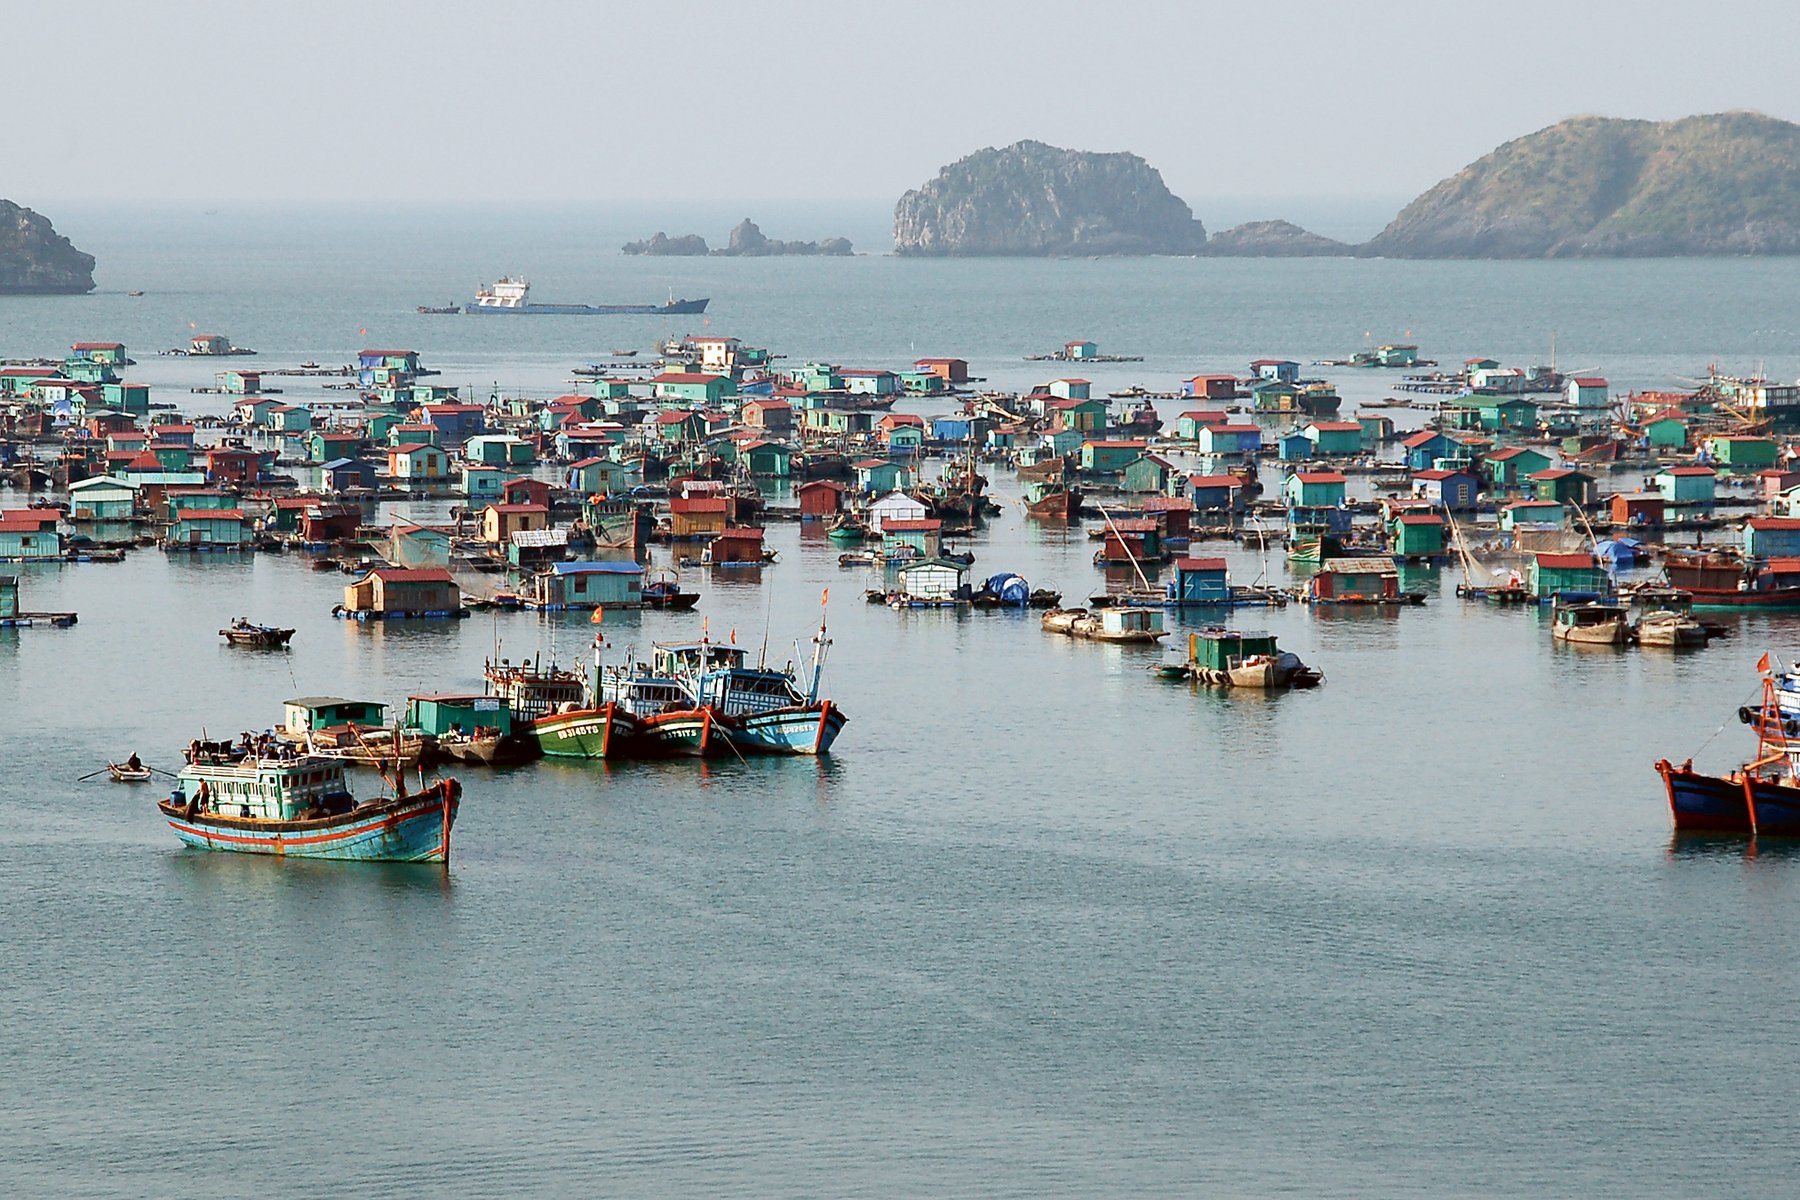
(509,295)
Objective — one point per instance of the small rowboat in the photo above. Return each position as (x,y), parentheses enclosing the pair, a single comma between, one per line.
(242,633)
(126,773)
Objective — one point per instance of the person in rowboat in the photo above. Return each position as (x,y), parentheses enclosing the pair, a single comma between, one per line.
(134,763)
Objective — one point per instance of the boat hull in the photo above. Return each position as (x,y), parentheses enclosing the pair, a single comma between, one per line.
(688,732)
(1611,633)
(803,730)
(1704,803)
(416,829)
(675,308)
(1774,808)
(604,732)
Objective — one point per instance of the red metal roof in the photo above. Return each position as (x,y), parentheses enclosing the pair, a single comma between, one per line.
(1564,561)
(685,377)
(1436,474)
(1131,526)
(911,525)
(1688,471)
(1419,519)
(1589,381)
(518,508)
(1214,481)
(1200,564)
(1773,523)
(744,534)
(1127,444)
(1205,417)
(1323,477)
(98,346)
(1337,426)
(421,575)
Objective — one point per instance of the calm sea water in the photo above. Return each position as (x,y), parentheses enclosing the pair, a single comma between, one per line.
(1041,926)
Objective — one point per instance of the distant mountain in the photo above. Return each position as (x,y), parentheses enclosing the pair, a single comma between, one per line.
(35,259)
(1724,183)
(687,245)
(1033,199)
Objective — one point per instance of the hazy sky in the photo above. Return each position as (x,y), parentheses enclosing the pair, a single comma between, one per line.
(625,101)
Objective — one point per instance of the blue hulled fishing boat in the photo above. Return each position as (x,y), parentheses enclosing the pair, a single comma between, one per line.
(270,799)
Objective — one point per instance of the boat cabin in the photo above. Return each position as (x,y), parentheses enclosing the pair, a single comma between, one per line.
(1354,581)
(455,713)
(268,789)
(309,714)
(1224,649)
(1125,622)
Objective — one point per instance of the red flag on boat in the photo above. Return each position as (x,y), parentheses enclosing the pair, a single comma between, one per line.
(825,598)
(599,617)
(1762,664)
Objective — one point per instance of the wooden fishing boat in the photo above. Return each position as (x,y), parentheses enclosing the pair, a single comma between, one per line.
(663,591)
(1237,658)
(241,632)
(125,772)
(847,531)
(1705,803)
(1669,629)
(1124,625)
(1590,624)
(1056,504)
(298,806)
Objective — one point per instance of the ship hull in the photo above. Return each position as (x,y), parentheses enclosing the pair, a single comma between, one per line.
(691,733)
(605,732)
(676,308)
(1704,803)
(808,730)
(416,829)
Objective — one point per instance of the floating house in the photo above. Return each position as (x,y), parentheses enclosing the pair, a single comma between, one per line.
(895,506)
(454,713)
(393,592)
(951,370)
(1222,440)
(303,716)
(736,546)
(933,580)
(1110,457)
(499,450)
(343,474)
(1772,537)
(1453,490)
(874,475)
(208,529)
(1189,424)
(1334,437)
(415,463)
(1509,469)
(1215,493)
(30,535)
(1201,581)
(1282,370)
(1562,484)
(102,498)
(1420,451)
(770,415)
(920,535)
(1586,392)
(1742,452)
(1148,473)
(1640,510)
(1533,513)
(1694,487)
(500,521)
(697,518)
(1416,535)
(1354,581)
(1314,489)
(820,499)
(1212,387)
(1577,574)
(586,585)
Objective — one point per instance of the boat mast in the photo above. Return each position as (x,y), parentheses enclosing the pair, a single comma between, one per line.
(820,641)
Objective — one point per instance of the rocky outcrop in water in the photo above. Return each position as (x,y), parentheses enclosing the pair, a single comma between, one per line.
(746,241)
(1724,183)
(1033,199)
(36,260)
(1274,239)
(688,245)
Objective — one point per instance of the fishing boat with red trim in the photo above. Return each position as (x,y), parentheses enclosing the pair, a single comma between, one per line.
(1762,797)
(562,709)
(272,799)
(1716,580)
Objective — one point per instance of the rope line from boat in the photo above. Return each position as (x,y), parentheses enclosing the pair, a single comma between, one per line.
(1721,729)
